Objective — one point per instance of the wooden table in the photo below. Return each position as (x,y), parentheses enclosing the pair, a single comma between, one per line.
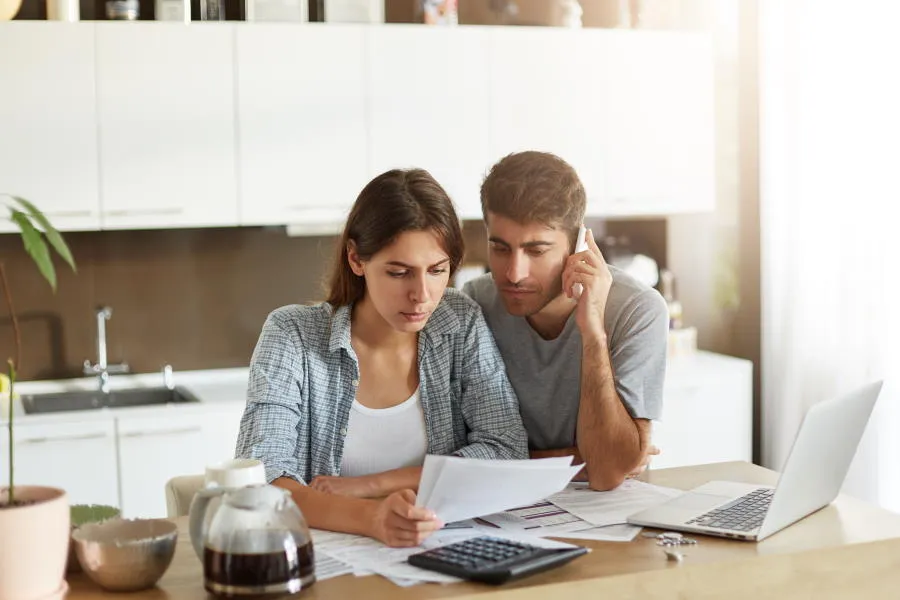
(822,550)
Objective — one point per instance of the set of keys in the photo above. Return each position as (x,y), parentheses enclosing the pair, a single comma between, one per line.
(670,538)
(671,541)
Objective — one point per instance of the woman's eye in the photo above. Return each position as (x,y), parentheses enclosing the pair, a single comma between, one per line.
(438,271)
(397,274)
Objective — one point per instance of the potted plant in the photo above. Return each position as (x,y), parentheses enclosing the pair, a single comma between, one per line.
(34,520)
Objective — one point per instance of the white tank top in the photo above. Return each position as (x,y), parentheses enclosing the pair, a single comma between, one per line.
(381,439)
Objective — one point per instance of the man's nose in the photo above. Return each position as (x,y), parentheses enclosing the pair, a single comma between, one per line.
(518,268)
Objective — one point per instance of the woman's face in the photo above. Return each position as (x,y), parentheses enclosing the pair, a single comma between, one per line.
(406,280)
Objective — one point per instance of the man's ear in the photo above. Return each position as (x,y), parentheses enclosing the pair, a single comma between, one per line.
(353,259)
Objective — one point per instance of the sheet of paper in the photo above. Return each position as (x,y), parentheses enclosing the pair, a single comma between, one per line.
(614,506)
(328,566)
(365,556)
(466,488)
(609,533)
(541,519)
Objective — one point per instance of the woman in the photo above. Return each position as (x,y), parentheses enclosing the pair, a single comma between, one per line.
(346,397)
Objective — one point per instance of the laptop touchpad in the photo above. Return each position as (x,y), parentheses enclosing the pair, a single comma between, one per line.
(696,501)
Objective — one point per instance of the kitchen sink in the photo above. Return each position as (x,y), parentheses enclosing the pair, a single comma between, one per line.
(95,399)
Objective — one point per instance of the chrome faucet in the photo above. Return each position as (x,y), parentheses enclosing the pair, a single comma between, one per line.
(104,313)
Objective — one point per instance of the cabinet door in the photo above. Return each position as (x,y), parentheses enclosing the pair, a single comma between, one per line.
(77,457)
(48,121)
(661,124)
(707,412)
(429,95)
(549,91)
(167,136)
(302,115)
(152,450)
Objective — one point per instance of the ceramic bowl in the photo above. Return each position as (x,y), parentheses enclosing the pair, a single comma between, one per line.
(125,555)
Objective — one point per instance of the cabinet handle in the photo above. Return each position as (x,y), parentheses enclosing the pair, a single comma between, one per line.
(143,212)
(137,434)
(63,438)
(305,207)
(66,214)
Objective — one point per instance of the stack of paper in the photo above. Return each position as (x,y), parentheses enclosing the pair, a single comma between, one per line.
(612,507)
(461,488)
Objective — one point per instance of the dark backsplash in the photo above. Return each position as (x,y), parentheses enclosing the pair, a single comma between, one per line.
(193,298)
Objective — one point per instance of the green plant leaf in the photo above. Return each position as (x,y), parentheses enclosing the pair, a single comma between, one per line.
(50,231)
(35,246)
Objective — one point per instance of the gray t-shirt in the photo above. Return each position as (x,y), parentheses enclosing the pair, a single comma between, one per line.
(546,374)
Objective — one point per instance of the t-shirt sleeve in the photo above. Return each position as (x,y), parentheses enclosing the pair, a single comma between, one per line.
(638,355)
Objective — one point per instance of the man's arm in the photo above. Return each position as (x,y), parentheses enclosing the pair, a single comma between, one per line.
(612,443)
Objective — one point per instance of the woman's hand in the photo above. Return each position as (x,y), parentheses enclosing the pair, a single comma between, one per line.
(355,487)
(400,523)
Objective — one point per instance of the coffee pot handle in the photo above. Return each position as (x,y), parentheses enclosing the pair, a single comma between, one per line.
(198,520)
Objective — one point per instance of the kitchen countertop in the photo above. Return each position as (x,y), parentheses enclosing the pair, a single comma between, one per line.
(213,387)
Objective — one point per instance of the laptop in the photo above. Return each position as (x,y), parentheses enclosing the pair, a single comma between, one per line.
(811,479)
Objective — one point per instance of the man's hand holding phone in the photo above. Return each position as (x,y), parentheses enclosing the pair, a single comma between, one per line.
(587,269)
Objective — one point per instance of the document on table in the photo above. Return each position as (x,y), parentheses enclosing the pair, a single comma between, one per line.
(364,556)
(612,507)
(461,488)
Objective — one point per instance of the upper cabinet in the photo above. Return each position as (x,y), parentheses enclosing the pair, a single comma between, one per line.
(48,121)
(549,92)
(302,121)
(660,124)
(428,91)
(167,138)
(137,125)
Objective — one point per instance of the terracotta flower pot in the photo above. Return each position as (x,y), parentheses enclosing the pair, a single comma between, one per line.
(34,543)
(9,8)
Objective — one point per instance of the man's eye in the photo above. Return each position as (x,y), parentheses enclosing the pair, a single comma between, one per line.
(536,252)
(499,249)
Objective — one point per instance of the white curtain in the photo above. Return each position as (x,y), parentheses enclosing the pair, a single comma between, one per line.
(830,223)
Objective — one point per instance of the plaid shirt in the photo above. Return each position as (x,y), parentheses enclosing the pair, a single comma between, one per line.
(303,378)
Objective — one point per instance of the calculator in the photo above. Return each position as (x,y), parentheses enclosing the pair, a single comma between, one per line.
(493,560)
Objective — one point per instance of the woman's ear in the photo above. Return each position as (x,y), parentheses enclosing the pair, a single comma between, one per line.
(353,259)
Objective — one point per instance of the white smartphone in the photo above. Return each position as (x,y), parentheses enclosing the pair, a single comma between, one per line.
(580,246)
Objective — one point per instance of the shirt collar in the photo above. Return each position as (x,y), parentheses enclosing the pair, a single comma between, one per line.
(443,321)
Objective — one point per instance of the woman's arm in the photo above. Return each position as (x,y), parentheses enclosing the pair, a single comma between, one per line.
(395,520)
(489,404)
(269,425)
(377,485)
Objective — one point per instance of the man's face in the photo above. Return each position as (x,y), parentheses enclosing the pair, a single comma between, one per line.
(527,262)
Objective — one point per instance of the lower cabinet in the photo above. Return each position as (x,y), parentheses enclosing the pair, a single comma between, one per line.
(123,461)
(153,450)
(77,457)
(707,412)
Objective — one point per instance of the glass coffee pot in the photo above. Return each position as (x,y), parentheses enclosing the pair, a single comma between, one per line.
(257,544)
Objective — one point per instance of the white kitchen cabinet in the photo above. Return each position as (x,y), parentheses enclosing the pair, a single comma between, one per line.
(428,92)
(661,124)
(165,97)
(79,457)
(549,91)
(151,450)
(154,449)
(707,411)
(48,121)
(302,121)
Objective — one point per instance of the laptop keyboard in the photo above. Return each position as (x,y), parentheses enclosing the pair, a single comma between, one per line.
(744,514)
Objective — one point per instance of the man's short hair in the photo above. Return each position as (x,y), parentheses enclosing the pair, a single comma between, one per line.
(535,187)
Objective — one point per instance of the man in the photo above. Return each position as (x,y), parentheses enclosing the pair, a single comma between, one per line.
(588,369)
